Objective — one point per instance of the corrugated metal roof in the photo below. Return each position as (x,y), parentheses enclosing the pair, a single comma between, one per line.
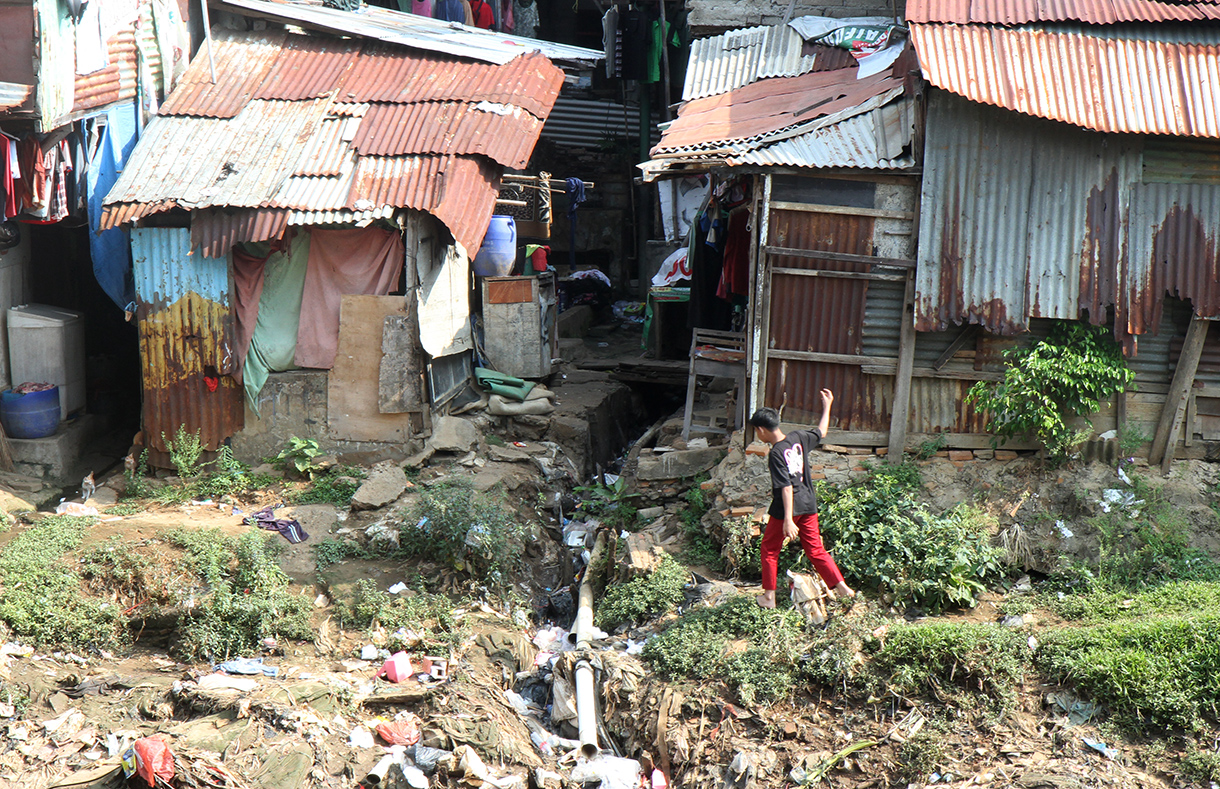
(721,63)
(1094,12)
(307,67)
(1113,81)
(460,191)
(327,151)
(1024,218)
(242,62)
(771,105)
(413,31)
(215,231)
(13,94)
(875,140)
(383,73)
(588,123)
(217,162)
(502,133)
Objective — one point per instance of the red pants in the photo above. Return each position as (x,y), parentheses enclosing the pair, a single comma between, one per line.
(811,541)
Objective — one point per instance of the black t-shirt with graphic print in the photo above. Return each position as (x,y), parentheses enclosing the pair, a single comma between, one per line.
(789,465)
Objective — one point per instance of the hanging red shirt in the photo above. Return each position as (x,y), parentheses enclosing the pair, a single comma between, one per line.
(484,17)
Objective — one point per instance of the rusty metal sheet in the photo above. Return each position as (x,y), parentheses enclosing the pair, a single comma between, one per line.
(458,190)
(769,106)
(390,74)
(215,231)
(307,67)
(13,94)
(328,150)
(718,64)
(1150,82)
(503,133)
(117,81)
(1094,12)
(1174,247)
(242,62)
(186,338)
(125,213)
(821,315)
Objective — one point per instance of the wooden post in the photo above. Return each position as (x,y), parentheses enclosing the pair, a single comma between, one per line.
(1165,440)
(762,293)
(902,378)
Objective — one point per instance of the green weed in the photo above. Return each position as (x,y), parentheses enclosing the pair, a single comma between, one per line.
(332,551)
(429,615)
(124,508)
(609,504)
(42,602)
(185,449)
(465,529)
(137,486)
(649,595)
(248,598)
(336,486)
(298,456)
(1181,598)
(1151,674)
(1202,766)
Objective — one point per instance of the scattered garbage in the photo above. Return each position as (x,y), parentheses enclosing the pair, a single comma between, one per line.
(1078,711)
(226,682)
(76,510)
(1101,747)
(1063,530)
(1113,499)
(403,731)
(397,588)
(397,668)
(154,760)
(248,666)
(614,772)
(360,737)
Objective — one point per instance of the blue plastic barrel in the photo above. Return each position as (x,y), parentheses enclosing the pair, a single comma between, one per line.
(499,251)
(33,415)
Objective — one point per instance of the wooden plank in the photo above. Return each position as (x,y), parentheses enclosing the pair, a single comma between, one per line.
(399,385)
(758,315)
(901,412)
(510,291)
(846,210)
(809,272)
(847,257)
(968,332)
(353,390)
(829,358)
(1179,388)
(1191,416)
(890,368)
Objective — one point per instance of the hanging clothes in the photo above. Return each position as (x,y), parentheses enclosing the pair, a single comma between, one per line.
(483,14)
(365,261)
(655,52)
(507,23)
(417,7)
(279,276)
(706,264)
(735,276)
(525,18)
(110,250)
(449,10)
(634,35)
(610,42)
(8,188)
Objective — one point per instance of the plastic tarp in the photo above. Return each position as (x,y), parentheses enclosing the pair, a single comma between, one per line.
(111,250)
(273,342)
(352,262)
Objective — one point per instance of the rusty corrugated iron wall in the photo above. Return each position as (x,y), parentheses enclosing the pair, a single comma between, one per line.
(186,340)
(1024,218)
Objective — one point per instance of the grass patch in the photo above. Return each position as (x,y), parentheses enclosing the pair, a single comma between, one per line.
(42,602)
(944,659)
(649,595)
(332,551)
(124,508)
(1176,599)
(1201,766)
(428,615)
(336,486)
(701,548)
(1149,673)
(700,646)
(248,598)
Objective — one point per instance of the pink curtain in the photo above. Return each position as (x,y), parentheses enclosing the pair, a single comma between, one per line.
(248,289)
(361,262)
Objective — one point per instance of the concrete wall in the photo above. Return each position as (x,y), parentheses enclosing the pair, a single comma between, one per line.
(709,17)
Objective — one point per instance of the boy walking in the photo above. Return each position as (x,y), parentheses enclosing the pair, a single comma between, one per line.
(794,500)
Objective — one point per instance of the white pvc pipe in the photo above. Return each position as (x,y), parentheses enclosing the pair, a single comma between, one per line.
(377,774)
(586,694)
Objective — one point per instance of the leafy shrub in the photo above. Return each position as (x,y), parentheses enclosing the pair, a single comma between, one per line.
(430,615)
(696,646)
(938,656)
(609,503)
(1153,673)
(298,456)
(248,598)
(332,551)
(185,449)
(228,477)
(452,523)
(42,601)
(656,593)
(137,479)
(701,548)
(1067,374)
(886,540)
(336,486)
(1202,766)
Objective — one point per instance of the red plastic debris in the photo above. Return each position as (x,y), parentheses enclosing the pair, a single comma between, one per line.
(154,759)
(400,732)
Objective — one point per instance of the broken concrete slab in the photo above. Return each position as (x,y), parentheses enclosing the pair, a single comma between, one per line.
(418,460)
(575,321)
(453,434)
(384,484)
(678,464)
(507,454)
(12,503)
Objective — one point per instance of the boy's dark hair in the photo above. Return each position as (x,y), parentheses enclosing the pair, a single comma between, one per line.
(766,418)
